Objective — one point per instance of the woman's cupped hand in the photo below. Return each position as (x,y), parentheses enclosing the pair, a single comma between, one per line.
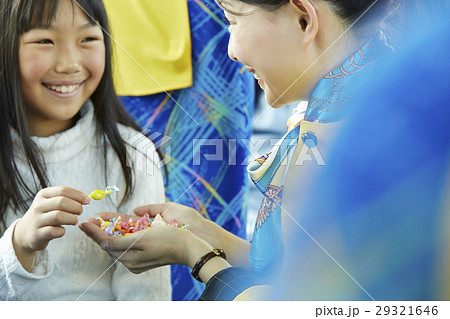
(155,246)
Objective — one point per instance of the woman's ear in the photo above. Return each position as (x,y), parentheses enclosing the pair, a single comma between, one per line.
(307,18)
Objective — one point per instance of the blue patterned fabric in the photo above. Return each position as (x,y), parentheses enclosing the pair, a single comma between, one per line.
(336,90)
(201,130)
(327,104)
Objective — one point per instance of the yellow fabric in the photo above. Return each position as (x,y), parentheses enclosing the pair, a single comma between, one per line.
(151,45)
(263,292)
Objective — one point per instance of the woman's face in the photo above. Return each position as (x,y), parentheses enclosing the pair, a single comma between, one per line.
(60,68)
(270,45)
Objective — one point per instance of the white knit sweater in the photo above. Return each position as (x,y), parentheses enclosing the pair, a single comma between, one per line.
(74,267)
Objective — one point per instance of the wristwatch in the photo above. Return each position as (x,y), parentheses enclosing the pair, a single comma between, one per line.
(216,252)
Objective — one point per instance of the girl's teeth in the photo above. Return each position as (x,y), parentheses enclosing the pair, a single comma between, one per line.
(64,88)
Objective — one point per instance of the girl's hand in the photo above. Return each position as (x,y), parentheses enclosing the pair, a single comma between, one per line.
(52,208)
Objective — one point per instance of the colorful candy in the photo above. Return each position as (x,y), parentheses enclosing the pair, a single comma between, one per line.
(158,221)
(98,194)
(117,227)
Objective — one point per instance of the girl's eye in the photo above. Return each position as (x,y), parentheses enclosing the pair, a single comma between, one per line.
(45,41)
(89,39)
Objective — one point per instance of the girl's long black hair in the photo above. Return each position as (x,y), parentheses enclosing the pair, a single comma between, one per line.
(17,17)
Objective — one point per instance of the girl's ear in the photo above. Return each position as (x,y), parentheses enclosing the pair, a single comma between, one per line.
(307,18)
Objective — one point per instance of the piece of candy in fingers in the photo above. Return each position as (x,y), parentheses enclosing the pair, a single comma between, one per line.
(98,194)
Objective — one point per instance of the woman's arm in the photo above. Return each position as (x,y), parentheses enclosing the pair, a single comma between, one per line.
(155,247)
(236,248)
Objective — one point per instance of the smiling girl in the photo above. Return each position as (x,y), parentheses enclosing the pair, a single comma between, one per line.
(62,124)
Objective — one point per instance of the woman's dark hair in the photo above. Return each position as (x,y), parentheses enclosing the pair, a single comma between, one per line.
(16,18)
(366,16)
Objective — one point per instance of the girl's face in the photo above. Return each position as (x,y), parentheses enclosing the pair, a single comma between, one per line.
(60,68)
(270,45)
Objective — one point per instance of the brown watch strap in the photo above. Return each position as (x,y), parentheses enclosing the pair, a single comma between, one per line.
(199,264)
